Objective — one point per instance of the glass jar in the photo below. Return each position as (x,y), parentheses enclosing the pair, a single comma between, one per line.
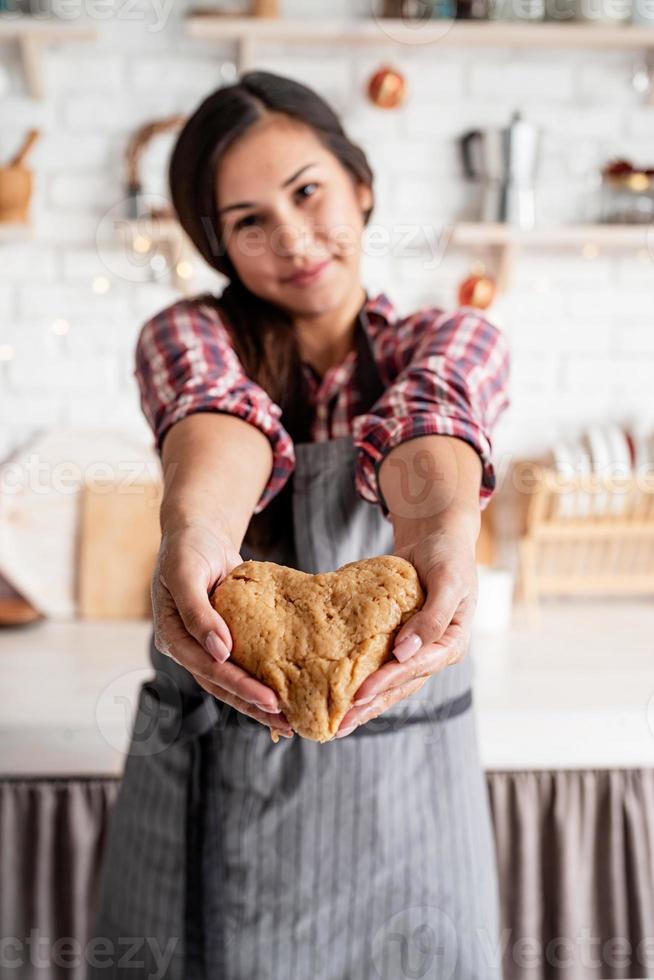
(419,9)
(628,198)
(516,10)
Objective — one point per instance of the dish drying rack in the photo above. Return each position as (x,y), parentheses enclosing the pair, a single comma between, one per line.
(587,534)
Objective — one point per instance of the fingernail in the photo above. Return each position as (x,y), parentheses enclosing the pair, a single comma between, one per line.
(346,731)
(409,645)
(216,647)
(365,700)
(286,734)
(266,707)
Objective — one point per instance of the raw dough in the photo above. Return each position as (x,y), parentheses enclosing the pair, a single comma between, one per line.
(314,639)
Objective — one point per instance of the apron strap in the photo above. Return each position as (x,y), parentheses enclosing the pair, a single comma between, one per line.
(371,385)
(435,715)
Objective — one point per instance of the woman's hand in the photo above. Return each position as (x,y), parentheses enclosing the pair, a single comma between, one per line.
(434,637)
(192,558)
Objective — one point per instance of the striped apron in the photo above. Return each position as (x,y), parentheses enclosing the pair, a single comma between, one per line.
(230,857)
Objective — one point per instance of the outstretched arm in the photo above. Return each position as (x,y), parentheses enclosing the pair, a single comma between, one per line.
(436,520)
(425,458)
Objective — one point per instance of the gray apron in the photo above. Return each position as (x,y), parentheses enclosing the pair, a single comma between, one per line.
(231,857)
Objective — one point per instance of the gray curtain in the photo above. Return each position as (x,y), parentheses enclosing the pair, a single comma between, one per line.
(576,861)
(52,834)
(575,853)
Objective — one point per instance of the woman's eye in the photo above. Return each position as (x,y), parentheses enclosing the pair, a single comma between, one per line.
(304,187)
(243,223)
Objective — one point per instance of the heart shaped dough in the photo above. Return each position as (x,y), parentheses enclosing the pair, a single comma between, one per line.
(315,638)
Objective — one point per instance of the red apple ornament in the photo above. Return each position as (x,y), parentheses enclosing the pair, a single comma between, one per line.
(387,88)
(477,290)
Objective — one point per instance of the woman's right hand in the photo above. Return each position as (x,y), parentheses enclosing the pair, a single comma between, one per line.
(192,559)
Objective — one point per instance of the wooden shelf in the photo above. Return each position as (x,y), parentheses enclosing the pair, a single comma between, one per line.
(13,232)
(555,236)
(32,34)
(247,32)
(458,33)
(50,29)
(506,241)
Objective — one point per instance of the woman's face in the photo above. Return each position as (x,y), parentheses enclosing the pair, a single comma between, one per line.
(287,204)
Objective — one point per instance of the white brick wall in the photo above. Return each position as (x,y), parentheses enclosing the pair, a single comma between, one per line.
(581,332)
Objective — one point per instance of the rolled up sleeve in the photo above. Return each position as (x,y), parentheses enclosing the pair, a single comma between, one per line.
(185,363)
(454,382)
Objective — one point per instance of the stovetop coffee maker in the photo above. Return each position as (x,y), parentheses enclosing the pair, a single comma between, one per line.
(505,161)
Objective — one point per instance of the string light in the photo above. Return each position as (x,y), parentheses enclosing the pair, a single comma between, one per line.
(60,327)
(101,285)
(184,270)
(141,244)
(7,352)
(590,250)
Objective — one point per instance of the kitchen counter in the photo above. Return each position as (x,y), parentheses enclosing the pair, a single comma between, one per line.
(569,688)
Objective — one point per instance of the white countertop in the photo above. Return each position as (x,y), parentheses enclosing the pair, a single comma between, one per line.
(572,688)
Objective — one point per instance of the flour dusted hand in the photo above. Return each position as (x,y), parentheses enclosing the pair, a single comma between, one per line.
(314,639)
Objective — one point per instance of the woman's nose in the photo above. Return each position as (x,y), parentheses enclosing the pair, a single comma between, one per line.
(292,237)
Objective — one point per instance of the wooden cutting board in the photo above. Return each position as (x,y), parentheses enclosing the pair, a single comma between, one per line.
(486,551)
(118,544)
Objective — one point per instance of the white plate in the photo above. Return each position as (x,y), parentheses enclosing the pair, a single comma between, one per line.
(647,460)
(584,505)
(620,463)
(643,439)
(564,462)
(600,460)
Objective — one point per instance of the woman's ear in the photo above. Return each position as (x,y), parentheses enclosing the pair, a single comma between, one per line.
(364,195)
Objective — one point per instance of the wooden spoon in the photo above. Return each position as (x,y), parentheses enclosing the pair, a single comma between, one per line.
(28,143)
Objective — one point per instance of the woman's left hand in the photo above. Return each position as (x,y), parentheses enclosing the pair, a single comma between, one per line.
(446,565)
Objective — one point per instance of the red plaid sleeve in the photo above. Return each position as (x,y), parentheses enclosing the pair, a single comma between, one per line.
(185,363)
(452,380)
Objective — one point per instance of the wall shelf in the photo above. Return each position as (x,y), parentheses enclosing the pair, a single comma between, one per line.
(506,242)
(555,236)
(15,232)
(457,33)
(32,34)
(247,32)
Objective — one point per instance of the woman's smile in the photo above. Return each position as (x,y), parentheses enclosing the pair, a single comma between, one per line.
(309,275)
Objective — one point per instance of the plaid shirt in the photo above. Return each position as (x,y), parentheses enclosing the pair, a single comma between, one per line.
(444,374)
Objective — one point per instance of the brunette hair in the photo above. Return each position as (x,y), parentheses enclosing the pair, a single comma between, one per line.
(261,332)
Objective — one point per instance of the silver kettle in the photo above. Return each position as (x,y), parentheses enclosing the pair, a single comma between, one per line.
(505,160)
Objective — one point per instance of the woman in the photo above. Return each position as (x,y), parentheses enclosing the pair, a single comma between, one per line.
(302,421)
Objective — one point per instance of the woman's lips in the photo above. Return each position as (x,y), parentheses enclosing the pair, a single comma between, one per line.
(310,275)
